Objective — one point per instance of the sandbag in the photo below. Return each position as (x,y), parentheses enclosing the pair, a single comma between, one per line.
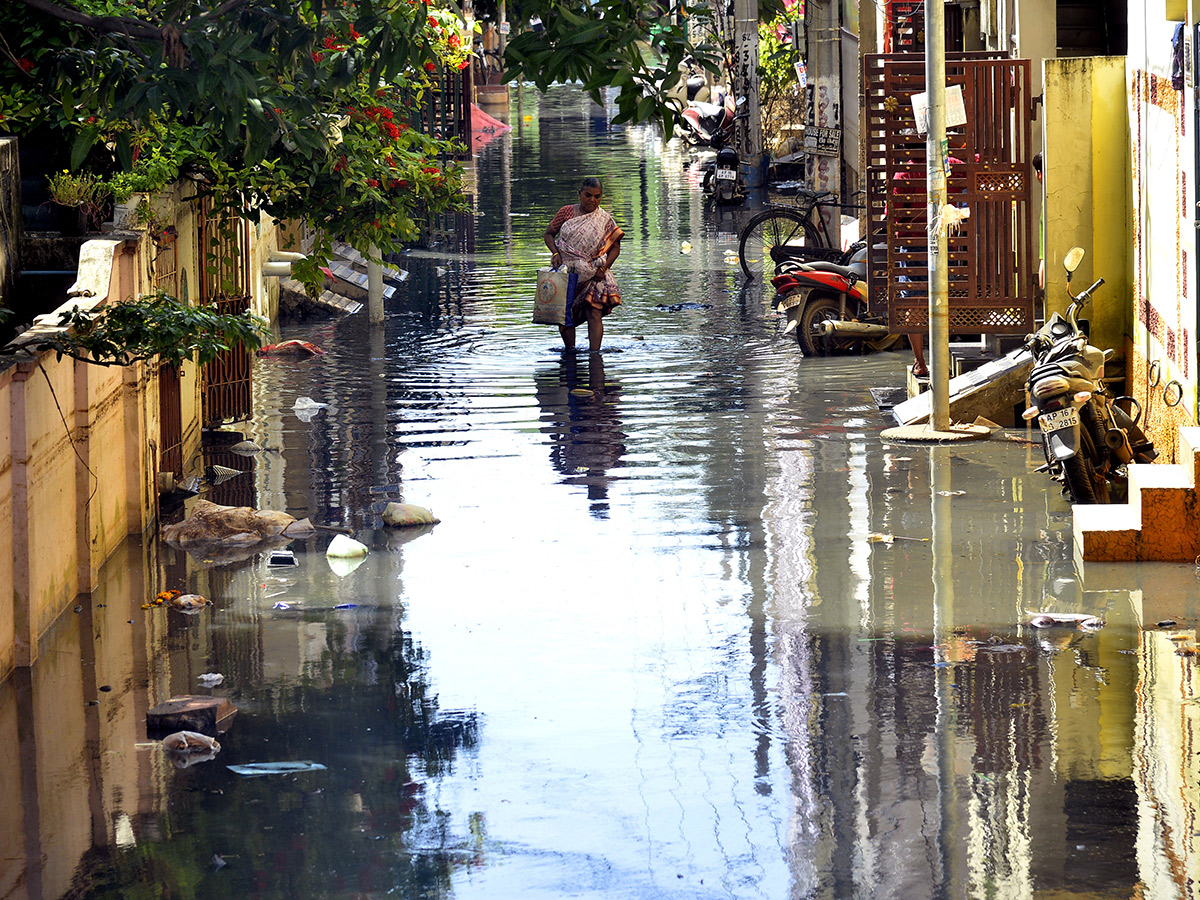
(405,515)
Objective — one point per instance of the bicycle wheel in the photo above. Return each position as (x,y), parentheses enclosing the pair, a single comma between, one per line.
(769,229)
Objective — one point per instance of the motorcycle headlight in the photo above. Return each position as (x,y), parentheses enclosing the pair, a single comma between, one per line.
(1048,387)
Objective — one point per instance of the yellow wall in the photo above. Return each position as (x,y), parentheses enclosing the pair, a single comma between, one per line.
(1085,129)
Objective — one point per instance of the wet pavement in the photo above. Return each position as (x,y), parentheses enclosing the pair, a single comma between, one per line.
(688,628)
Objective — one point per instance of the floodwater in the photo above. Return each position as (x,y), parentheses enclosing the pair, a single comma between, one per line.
(689,627)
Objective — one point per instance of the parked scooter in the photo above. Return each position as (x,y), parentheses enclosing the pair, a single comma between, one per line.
(825,302)
(710,123)
(1088,436)
(723,177)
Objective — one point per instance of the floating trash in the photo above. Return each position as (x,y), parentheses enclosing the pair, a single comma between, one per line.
(282,604)
(282,558)
(211,679)
(253,770)
(1082,621)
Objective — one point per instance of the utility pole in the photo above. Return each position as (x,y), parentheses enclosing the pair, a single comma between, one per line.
(823,129)
(937,156)
(745,87)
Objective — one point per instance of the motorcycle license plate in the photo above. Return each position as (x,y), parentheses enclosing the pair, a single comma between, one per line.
(1059,419)
(726,174)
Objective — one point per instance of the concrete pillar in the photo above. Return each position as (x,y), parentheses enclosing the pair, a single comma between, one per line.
(823,37)
(745,86)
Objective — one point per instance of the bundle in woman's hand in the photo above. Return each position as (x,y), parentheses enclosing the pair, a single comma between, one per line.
(555,296)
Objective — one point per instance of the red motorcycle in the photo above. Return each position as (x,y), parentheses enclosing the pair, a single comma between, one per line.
(710,123)
(825,302)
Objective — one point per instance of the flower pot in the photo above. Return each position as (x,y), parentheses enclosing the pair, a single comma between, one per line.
(125,215)
(71,220)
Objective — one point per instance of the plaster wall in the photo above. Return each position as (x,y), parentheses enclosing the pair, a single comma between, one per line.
(76,464)
(1087,192)
(1162,351)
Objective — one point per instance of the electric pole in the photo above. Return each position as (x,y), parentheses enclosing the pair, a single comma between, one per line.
(745,88)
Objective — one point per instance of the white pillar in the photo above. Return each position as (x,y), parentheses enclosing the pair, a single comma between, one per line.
(374,286)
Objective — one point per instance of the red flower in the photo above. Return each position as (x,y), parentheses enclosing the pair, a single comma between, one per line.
(430,67)
(372,182)
(317,57)
(340,164)
(354,35)
(25,64)
(430,170)
(402,183)
(391,130)
(433,23)
(454,40)
(462,65)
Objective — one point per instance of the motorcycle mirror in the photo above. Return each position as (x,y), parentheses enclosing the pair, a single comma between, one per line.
(1072,260)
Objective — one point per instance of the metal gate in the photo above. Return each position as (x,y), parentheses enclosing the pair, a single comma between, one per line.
(170,421)
(991,259)
(225,281)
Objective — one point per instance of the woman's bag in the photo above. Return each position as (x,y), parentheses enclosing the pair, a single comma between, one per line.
(555,296)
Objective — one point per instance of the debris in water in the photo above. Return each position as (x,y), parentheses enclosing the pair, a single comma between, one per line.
(1082,621)
(189,742)
(404,515)
(188,603)
(282,605)
(211,679)
(245,447)
(877,538)
(685,247)
(291,349)
(346,547)
(282,558)
(951,493)
(254,770)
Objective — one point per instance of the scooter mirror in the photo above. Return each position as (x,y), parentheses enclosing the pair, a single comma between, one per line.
(1072,260)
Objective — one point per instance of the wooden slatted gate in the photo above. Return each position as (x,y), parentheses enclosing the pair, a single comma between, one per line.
(225,281)
(991,259)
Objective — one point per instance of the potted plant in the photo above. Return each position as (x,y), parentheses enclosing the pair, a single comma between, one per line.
(80,198)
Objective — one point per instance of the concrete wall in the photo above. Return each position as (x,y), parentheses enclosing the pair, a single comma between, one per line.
(1087,192)
(76,464)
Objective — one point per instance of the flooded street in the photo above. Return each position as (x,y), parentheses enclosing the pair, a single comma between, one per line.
(688,628)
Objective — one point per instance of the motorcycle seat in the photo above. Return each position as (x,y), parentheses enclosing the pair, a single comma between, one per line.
(707,110)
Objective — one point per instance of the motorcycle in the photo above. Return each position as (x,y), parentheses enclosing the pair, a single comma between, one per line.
(1088,436)
(723,178)
(825,300)
(710,123)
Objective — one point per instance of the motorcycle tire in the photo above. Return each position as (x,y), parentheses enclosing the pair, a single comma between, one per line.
(816,311)
(767,230)
(1084,480)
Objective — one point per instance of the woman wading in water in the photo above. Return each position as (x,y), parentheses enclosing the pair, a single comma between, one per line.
(586,237)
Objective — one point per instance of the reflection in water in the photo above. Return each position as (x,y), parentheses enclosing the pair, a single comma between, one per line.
(726,688)
(580,412)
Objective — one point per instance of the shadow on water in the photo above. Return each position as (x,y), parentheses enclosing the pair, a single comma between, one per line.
(688,627)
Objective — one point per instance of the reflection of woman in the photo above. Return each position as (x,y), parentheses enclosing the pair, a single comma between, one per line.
(585,236)
(580,418)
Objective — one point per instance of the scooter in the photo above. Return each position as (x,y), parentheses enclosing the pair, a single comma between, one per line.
(723,177)
(825,301)
(710,123)
(1088,436)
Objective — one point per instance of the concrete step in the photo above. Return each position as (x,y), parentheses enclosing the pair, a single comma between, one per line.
(1161,520)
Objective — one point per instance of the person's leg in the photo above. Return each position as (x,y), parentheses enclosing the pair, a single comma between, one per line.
(918,345)
(568,335)
(595,321)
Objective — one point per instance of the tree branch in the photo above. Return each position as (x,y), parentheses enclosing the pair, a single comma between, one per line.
(133,28)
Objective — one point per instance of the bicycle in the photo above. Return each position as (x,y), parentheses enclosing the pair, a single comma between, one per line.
(790,227)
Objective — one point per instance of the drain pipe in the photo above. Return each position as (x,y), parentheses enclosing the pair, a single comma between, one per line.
(279,264)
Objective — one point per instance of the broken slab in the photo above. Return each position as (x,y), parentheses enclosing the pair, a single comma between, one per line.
(191,712)
(294,301)
(994,391)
